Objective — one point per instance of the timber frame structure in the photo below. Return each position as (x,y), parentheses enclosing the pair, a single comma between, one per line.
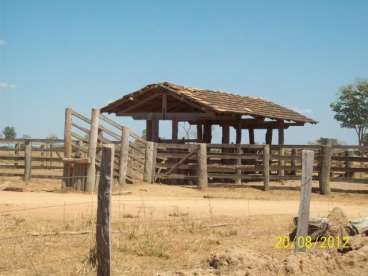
(205,108)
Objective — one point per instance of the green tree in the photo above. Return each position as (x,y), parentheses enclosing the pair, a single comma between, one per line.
(324,141)
(9,132)
(351,108)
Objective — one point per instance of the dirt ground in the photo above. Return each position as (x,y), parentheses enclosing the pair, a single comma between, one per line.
(170,230)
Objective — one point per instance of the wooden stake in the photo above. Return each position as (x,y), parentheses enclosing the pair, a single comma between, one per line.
(325,168)
(103,226)
(124,154)
(293,161)
(92,147)
(281,162)
(27,161)
(266,167)
(269,136)
(207,135)
(304,205)
(202,166)
(67,144)
(239,171)
(225,133)
(200,133)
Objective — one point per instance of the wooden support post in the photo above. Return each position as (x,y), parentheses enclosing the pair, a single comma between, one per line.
(281,136)
(225,133)
(92,148)
(164,105)
(200,133)
(155,130)
(202,166)
(67,144)
(150,162)
(304,205)
(124,154)
(281,162)
(207,135)
(27,161)
(266,167)
(325,169)
(251,135)
(174,131)
(238,163)
(149,130)
(238,134)
(269,136)
(293,161)
(103,225)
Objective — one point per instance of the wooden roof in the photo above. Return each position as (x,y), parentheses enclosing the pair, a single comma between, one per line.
(218,102)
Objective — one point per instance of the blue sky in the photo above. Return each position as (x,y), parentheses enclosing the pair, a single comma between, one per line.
(82,54)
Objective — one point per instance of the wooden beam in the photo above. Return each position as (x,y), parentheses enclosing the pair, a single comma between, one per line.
(269,136)
(207,135)
(182,116)
(199,132)
(149,133)
(281,135)
(251,136)
(266,167)
(174,131)
(150,162)
(164,105)
(325,169)
(140,102)
(155,130)
(27,161)
(225,133)
(238,133)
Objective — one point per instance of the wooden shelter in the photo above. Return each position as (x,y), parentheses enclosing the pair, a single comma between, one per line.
(205,108)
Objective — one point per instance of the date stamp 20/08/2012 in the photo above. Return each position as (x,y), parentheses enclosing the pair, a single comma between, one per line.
(328,242)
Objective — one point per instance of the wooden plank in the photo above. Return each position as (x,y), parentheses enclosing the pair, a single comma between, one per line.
(304,205)
(81,117)
(243,146)
(124,154)
(185,158)
(266,166)
(92,147)
(103,225)
(238,164)
(202,166)
(27,161)
(33,141)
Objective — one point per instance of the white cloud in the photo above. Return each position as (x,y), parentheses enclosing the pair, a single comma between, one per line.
(2,42)
(6,86)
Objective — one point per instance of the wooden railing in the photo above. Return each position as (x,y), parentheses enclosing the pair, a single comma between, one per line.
(229,163)
(27,158)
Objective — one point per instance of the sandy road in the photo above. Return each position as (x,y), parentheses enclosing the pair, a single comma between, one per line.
(54,206)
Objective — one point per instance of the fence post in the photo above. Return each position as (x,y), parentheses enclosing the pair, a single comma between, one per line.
(92,147)
(293,161)
(281,162)
(150,162)
(202,166)
(304,205)
(124,154)
(325,168)
(266,167)
(239,163)
(103,226)
(348,154)
(67,144)
(27,161)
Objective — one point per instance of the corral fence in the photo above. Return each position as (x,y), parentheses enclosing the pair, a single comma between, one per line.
(38,158)
(178,163)
(77,157)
